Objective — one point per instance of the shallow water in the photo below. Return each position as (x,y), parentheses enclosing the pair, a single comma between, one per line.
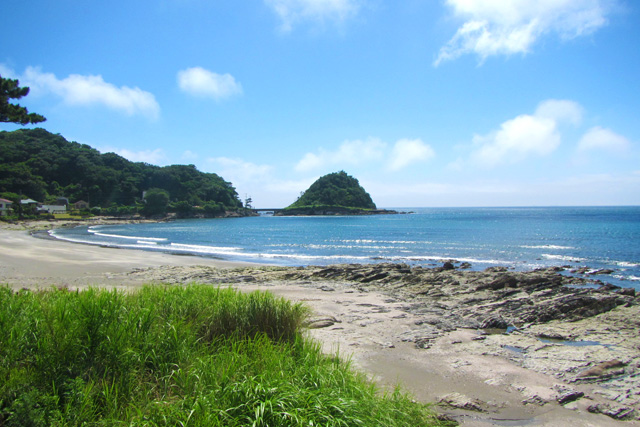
(519,238)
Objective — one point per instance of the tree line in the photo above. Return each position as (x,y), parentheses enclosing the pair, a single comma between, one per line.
(37,164)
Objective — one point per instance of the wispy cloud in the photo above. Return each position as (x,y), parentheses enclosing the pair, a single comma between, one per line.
(498,27)
(408,151)
(349,153)
(402,154)
(598,138)
(292,12)
(80,90)
(258,181)
(526,135)
(238,170)
(198,81)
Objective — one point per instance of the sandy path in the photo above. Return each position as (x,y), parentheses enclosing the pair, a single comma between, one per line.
(367,327)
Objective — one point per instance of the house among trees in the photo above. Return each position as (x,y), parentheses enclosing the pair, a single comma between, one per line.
(5,205)
(52,209)
(62,201)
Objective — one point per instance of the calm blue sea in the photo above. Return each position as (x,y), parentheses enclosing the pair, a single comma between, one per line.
(521,238)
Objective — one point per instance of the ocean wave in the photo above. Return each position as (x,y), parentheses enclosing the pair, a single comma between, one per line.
(563,257)
(627,264)
(205,249)
(118,236)
(558,247)
(392,242)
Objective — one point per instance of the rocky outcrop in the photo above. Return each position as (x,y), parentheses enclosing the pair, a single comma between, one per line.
(493,298)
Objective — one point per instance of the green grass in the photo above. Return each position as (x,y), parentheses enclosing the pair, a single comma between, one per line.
(177,356)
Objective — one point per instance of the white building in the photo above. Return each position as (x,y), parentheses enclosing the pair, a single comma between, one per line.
(53,209)
(5,206)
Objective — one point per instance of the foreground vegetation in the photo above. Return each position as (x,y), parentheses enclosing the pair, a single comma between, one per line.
(165,356)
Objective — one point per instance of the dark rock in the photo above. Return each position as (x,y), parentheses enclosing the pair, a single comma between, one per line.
(495,269)
(600,271)
(323,322)
(615,412)
(627,291)
(374,277)
(569,396)
(465,265)
(494,323)
(448,266)
(600,369)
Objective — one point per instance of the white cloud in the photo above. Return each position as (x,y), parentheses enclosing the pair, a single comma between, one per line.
(153,157)
(598,138)
(91,90)
(239,170)
(408,151)
(349,153)
(200,82)
(526,135)
(293,11)
(256,181)
(560,110)
(499,27)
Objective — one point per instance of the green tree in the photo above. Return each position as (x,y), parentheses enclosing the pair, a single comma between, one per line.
(156,202)
(183,209)
(14,113)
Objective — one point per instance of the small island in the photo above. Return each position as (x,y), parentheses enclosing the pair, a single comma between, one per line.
(334,194)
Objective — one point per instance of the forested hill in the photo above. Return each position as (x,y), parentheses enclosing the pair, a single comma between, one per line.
(37,164)
(335,190)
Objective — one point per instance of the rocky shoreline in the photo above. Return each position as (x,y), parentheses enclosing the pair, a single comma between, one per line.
(584,336)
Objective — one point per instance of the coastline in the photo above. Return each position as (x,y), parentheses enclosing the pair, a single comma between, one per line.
(380,325)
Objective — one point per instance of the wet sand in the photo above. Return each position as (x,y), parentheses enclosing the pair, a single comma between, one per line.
(365,326)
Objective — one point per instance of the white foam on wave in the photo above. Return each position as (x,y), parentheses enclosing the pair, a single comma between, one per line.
(206,249)
(392,242)
(563,257)
(558,247)
(118,236)
(627,264)
(310,257)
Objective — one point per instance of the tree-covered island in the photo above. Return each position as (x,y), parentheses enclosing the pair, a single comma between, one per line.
(334,194)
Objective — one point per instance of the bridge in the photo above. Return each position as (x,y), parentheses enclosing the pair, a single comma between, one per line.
(274,210)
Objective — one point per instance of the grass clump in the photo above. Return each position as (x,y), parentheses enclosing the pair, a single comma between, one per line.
(165,356)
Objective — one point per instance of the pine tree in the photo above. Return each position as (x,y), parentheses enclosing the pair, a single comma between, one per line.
(14,113)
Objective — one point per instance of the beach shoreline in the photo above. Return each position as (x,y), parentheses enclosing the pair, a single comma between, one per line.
(486,379)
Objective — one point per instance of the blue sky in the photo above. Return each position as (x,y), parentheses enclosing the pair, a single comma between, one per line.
(426,102)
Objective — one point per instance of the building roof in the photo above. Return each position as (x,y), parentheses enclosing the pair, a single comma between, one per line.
(5,201)
(27,201)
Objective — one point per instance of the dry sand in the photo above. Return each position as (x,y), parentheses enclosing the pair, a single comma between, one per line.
(364,326)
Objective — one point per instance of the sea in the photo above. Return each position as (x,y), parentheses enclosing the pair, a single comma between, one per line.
(594,239)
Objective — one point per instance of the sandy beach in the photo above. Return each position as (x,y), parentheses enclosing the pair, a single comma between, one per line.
(481,379)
